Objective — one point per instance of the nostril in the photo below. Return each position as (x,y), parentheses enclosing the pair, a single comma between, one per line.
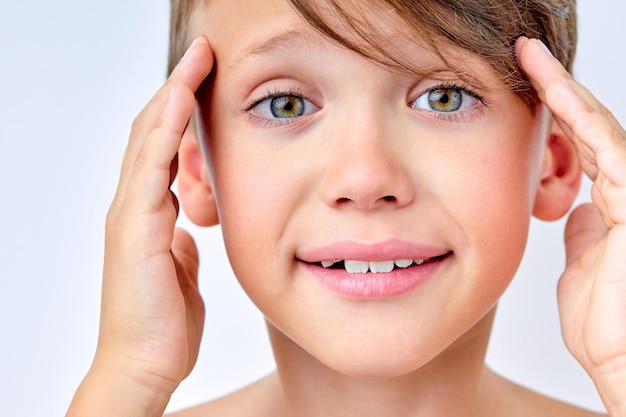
(387,198)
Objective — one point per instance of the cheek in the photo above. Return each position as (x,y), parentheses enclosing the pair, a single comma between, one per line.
(492,195)
(498,175)
(247,191)
(257,189)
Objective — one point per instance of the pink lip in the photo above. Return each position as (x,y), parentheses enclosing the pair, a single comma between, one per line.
(384,251)
(370,285)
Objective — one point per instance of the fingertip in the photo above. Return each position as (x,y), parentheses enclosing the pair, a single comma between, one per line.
(580,217)
(202,44)
(183,243)
(584,225)
(199,42)
(519,45)
(189,49)
(195,65)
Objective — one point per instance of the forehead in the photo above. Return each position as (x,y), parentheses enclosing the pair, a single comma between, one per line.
(242,30)
(234,26)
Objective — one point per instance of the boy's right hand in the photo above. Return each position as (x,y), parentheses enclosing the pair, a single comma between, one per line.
(152,314)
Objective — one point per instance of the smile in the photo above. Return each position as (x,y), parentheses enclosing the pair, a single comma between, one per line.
(375,267)
(382,270)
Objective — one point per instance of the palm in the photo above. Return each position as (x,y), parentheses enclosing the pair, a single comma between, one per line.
(592,291)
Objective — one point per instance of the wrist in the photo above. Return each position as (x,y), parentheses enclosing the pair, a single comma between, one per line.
(115,393)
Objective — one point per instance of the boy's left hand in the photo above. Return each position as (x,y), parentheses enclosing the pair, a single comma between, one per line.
(592,289)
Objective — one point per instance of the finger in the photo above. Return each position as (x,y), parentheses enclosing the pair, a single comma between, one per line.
(583,248)
(595,131)
(185,254)
(193,68)
(152,170)
(144,220)
(584,227)
(599,141)
(543,68)
(607,304)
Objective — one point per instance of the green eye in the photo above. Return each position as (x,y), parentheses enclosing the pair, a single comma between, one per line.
(281,107)
(446,100)
(285,107)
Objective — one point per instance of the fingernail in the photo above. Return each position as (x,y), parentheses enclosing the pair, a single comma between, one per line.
(517,49)
(193,44)
(545,48)
(521,41)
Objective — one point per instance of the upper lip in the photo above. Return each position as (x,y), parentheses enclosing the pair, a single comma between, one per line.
(382,251)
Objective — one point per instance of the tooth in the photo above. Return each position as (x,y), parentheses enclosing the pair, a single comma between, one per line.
(328,264)
(403,263)
(381,266)
(419,261)
(357,267)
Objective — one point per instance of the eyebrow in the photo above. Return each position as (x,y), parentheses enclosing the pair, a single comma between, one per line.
(284,43)
(280,44)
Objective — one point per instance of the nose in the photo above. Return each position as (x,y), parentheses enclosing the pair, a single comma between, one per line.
(366,169)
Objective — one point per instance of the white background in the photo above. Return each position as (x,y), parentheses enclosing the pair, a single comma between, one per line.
(73,75)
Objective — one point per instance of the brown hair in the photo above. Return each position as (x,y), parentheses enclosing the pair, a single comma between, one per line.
(487,28)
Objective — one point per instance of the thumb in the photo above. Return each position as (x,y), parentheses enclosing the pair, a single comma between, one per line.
(185,254)
(584,227)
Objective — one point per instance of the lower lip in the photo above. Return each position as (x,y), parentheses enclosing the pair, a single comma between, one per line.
(375,286)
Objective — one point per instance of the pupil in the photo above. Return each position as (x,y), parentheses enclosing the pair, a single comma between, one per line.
(445,99)
(288,106)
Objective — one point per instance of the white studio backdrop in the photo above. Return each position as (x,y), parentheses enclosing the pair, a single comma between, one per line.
(74,74)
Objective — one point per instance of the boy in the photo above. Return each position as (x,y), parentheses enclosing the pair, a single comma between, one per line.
(373,166)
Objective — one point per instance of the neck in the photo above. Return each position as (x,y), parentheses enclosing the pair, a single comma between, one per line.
(453,383)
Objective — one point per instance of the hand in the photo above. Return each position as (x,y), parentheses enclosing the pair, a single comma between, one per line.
(152,314)
(592,289)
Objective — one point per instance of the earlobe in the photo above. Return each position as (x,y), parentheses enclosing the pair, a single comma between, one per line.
(560,177)
(195,192)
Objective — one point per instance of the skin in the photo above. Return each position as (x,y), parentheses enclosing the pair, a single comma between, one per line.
(405,355)
(366,188)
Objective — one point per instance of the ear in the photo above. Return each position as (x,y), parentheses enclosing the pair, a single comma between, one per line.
(561,174)
(194,186)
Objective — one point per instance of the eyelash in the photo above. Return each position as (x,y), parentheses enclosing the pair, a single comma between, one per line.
(454,116)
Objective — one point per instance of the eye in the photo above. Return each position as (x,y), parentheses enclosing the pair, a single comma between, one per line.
(286,106)
(446,100)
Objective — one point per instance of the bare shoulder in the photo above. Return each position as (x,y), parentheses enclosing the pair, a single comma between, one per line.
(258,399)
(514,400)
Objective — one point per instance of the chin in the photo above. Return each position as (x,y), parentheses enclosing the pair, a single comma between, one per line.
(380,362)
(375,371)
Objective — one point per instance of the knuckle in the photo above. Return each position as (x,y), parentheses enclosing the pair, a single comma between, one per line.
(137,126)
(618,137)
(141,160)
(112,220)
(113,210)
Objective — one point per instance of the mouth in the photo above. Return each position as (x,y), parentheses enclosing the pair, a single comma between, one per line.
(381,270)
(377,267)
(375,280)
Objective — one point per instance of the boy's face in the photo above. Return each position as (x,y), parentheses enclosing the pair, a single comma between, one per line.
(318,155)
